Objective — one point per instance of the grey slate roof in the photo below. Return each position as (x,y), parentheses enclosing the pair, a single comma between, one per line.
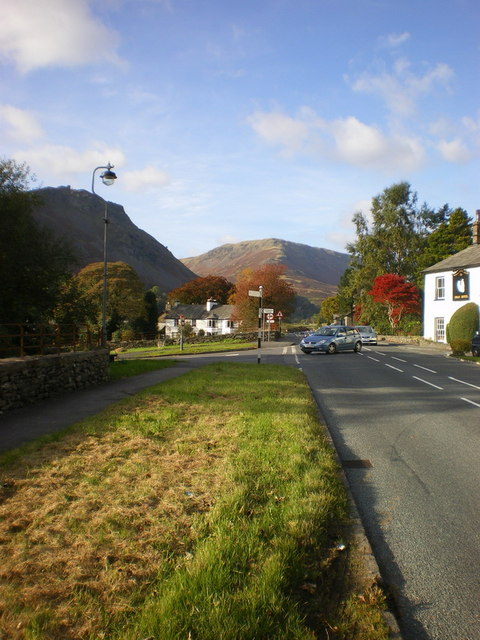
(469,257)
(199,312)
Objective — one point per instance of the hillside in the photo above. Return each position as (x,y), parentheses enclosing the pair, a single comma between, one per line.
(78,215)
(314,273)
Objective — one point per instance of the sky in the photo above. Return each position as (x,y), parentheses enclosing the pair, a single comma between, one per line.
(233,120)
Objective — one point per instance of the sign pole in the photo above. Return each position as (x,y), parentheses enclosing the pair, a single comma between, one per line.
(260,315)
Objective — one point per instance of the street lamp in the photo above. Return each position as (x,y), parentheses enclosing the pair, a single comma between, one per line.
(108,178)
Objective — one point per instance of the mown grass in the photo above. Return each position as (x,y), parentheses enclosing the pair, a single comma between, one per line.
(209,507)
(174,349)
(127,368)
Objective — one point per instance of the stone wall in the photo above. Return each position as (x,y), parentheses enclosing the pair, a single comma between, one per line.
(25,381)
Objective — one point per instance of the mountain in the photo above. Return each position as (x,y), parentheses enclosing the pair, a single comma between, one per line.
(78,216)
(314,273)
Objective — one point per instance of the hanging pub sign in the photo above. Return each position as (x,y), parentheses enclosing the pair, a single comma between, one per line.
(461,285)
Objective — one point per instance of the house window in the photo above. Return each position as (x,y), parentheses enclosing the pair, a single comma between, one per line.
(212,324)
(440,288)
(439,329)
(230,324)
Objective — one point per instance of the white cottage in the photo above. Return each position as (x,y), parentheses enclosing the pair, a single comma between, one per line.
(449,284)
(213,318)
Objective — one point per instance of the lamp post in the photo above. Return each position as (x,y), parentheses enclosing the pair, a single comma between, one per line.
(108,178)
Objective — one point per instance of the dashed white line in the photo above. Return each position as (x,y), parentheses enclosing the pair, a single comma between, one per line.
(462,382)
(399,359)
(429,383)
(392,367)
(471,402)
(424,368)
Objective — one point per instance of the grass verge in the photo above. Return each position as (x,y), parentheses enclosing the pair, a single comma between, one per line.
(174,349)
(209,507)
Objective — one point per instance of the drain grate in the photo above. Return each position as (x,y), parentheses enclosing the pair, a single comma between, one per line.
(356,463)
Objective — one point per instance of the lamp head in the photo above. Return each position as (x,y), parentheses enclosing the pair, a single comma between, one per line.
(108,177)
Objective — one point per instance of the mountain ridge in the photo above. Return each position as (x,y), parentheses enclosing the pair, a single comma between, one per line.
(78,217)
(313,272)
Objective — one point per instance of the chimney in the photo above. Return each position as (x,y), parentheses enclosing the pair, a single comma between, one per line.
(211,303)
(476,229)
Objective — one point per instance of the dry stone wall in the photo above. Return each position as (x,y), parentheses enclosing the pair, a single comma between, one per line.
(29,380)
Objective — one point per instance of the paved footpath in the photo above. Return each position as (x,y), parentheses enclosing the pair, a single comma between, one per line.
(54,414)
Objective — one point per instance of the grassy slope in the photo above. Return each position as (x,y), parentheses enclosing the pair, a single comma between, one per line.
(207,507)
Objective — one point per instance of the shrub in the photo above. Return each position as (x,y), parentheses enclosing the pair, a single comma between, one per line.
(459,346)
(463,323)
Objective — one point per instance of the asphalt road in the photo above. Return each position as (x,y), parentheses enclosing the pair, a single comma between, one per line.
(406,424)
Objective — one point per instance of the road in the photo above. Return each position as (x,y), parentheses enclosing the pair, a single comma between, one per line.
(406,425)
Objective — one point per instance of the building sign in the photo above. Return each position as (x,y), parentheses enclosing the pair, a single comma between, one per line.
(461,285)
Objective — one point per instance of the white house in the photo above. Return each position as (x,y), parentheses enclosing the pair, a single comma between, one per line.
(213,318)
(449,284)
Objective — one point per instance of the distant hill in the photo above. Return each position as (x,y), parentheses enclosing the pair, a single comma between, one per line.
(78,215)
(314,273)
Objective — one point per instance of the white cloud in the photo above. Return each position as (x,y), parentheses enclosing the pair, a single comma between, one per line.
(21,125)
(401,88)
(278,129)
(395,39)
(345,139)
(60,33)
(149,177)
(454,151)
(62,162)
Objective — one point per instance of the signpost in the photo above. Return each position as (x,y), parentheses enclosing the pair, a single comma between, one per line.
(258,294)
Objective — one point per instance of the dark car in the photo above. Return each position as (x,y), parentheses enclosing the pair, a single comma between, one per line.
(475,346)
(332,339)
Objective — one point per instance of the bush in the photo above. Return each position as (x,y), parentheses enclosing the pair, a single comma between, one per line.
(463,323)
(460,346)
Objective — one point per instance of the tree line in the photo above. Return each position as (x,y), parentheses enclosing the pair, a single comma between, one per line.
(383,284)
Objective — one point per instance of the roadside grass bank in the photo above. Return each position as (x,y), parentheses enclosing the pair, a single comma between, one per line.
(174,349)
(208,507)
(127,368)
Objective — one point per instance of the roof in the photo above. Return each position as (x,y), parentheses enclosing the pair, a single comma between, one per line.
(199,312)
(469,257)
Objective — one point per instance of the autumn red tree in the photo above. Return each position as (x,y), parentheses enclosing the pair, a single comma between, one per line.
(278,294)
(397,295)
(199,290)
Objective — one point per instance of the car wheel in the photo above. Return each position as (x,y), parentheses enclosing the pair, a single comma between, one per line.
(475,352)
(357,347)
(307,351)
(331,348)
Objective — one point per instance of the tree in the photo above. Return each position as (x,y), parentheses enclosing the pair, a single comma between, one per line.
(398,296)
(199,290)
(277,294)
(328,309)
(34,264)
(124,292)
(452,234)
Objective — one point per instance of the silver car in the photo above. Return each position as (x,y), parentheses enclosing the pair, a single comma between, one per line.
(332,339)
(367,334)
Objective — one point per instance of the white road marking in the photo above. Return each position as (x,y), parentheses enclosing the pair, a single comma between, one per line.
(399,359)
(424,368)
(426,382)
(392,367)
(375,359)
(471,402)
(462,382)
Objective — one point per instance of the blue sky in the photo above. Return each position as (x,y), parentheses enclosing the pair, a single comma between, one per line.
(232,120)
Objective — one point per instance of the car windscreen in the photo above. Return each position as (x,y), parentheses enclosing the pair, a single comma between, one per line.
(325,331)
(365,329)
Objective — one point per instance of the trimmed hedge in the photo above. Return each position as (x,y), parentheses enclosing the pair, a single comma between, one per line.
(463,324)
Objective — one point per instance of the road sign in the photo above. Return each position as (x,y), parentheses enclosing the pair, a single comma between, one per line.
(270,321)
(269,316)
(279,314)
(254,294)
(268,311)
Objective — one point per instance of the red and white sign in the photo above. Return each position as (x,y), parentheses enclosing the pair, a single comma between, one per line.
(279,314)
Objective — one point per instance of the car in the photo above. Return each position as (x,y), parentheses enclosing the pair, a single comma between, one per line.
(367,334)
(475,346)
(332,339)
